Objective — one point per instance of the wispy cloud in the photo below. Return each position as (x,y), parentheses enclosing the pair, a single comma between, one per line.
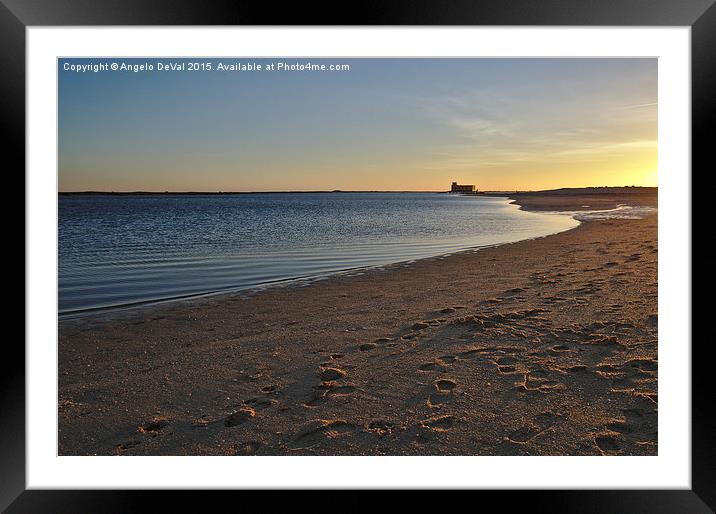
(641,106)
(494,130)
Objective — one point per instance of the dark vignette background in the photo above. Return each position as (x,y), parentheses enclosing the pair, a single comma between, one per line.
(16,15)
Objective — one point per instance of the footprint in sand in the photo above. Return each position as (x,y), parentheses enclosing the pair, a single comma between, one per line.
(430,366)
(330,374)
(380,427)
(260,403)
(249,448)
(607,443)
(619,425)
(622,384)
(153,426)
(539,424)
(474,352)
(435,400)
(317,400)
(128,445)
(609,371)
(317,431)
(523,434)
(634,415)
(506,365)
(343,390)
(577,368)
(539,380)
(439,423)
(645,366)
(239,417)
(445,385)
(329,387)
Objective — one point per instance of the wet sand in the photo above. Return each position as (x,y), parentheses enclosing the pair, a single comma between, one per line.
(542,347)
(582,199)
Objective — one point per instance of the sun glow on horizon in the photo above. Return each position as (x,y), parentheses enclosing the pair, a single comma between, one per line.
(502,124)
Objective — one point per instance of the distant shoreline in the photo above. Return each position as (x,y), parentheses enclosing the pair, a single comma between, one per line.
(560,192)
(216,193)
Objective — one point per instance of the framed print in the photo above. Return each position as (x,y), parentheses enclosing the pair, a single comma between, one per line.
(444,247)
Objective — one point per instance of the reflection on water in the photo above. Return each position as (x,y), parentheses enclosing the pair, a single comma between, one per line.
(119,250)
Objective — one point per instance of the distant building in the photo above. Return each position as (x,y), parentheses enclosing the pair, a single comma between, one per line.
(463,188)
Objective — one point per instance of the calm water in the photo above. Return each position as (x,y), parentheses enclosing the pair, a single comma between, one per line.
(120,250)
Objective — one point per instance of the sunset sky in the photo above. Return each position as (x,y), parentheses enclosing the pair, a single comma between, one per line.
(387,124)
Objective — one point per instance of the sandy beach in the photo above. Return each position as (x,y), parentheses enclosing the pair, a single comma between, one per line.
(541,347)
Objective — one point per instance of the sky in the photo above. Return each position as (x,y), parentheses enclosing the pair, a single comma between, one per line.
(384,124)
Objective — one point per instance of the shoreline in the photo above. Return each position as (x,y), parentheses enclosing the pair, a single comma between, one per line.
(605,190)
(403,360)
(575,201)
(524,201)
(290,282)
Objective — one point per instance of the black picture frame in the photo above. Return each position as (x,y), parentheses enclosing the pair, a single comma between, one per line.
(17,15)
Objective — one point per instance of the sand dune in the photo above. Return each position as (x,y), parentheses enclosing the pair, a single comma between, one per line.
(543,347)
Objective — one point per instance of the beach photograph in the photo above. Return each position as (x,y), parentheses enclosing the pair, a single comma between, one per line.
(357,257)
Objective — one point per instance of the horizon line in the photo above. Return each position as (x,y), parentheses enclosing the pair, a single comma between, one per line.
(167,192)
